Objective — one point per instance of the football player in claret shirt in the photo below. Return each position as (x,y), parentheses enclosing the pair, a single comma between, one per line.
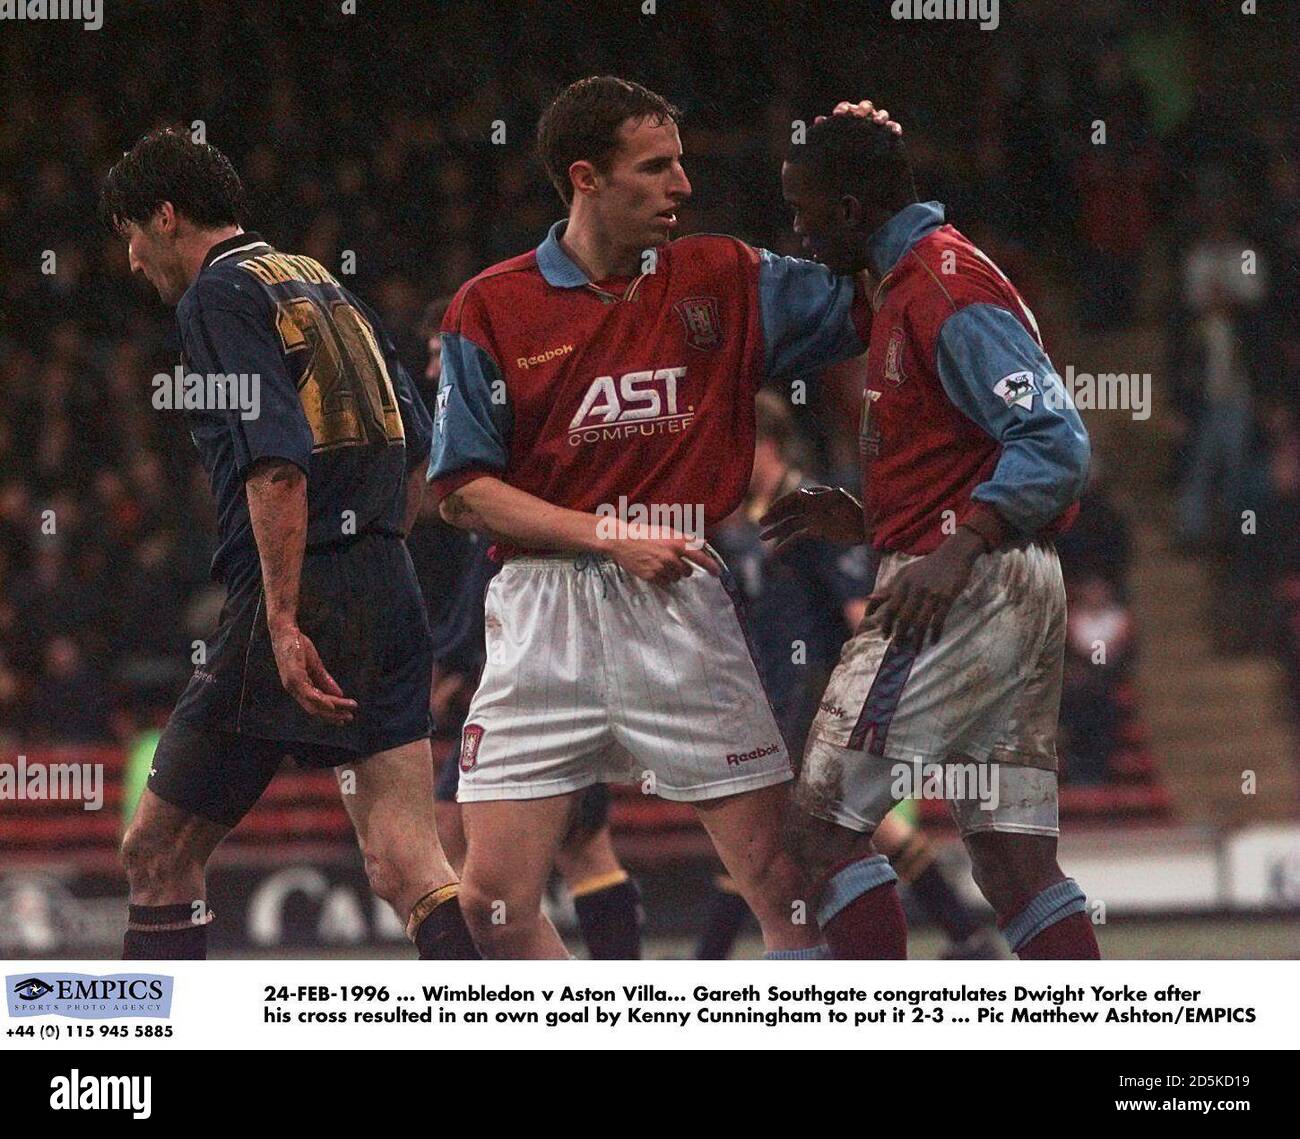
(323,650)
(605,373)
(454,569)
(973,457)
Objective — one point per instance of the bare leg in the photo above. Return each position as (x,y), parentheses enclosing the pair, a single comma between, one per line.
(451,833)
(164,852)
(511,848)
(1010,869)
(389,798)
(588,860)
(746,831)
(817,845)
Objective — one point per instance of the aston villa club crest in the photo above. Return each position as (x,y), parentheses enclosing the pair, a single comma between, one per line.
(894,358)
(470,738)
(700,318)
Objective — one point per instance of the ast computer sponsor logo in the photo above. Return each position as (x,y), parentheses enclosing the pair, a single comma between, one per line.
(644,403)
(89,997)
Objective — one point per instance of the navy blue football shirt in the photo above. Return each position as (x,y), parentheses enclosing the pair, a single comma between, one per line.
(281,361)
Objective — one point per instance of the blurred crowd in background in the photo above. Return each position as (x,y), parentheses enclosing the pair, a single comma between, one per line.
(376,137)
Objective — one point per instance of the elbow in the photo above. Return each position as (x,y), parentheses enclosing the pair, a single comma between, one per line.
(460,506)
(447,512)
(455,511)
(1078,463)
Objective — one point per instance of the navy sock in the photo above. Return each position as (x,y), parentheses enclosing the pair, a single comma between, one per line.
(728,913)
(165,933)
(442,934)
(610,919)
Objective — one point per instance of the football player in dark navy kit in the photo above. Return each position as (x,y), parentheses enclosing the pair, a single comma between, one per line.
(315,443)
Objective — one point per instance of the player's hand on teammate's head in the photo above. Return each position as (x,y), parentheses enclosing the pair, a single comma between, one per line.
(863,109)
(306,678)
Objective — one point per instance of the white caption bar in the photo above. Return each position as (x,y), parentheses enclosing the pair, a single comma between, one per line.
(674,1004)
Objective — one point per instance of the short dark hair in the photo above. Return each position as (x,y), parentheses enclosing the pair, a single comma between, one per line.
(167,165)
(857,156)
(582,122)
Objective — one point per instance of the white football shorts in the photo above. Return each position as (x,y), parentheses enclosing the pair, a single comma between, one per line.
(971,718)
(595,676)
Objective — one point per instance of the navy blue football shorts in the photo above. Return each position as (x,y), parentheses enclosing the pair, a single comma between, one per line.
(361,606)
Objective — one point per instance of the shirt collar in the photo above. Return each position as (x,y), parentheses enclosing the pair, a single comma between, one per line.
(888,245)
(556,266)
(236,244)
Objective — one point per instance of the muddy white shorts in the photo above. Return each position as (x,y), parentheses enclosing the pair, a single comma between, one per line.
(971,718)
(594,675)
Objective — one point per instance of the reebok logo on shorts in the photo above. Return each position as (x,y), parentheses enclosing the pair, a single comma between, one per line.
(735,760)
(470,739)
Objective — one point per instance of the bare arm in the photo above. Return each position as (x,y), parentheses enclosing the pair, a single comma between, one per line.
(277,507)
(511,515)
(508,514)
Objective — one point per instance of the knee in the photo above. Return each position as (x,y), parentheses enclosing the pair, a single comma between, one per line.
(394,871)
(153,860)
(497,917)
(995,885)
(385,874)
(1010,880)
(816,847)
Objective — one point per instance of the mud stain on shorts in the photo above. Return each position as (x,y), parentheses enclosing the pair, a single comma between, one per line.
(820,790)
